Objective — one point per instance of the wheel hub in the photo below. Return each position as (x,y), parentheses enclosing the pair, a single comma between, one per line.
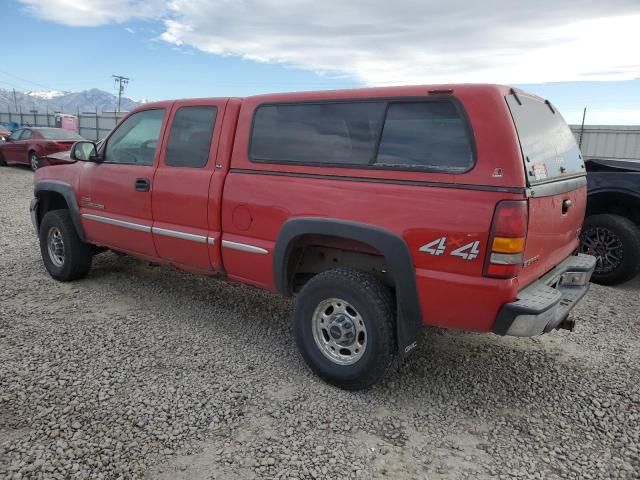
(342,330)
(339,331)
(55,246)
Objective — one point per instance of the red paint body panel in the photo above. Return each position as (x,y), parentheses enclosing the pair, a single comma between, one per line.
(128,205)
(462,301)
(418,214)
(233,199)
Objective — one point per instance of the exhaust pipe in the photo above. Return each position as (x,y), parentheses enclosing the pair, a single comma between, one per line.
(567,324)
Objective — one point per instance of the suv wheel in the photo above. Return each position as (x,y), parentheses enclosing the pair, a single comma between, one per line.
(65,256)
(33,161)
(344,327)
(615,242)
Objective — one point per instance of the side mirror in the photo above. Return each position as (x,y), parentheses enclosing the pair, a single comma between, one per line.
(84,151)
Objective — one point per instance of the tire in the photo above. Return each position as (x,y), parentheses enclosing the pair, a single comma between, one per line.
(75,259)
(33,160)
(3,162)
(615,241)
(342,293)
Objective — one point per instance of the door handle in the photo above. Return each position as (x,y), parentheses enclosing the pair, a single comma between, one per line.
(566,205)
(142,185)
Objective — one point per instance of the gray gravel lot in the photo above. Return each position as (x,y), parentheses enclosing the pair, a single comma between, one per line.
(143,371)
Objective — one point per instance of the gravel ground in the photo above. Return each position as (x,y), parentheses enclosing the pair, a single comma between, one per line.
(142,371)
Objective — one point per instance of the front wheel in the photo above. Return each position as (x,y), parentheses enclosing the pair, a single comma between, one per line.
(615,242)
(65,256)
(344,327)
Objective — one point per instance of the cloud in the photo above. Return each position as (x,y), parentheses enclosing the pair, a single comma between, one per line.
(92,13)
(379,42)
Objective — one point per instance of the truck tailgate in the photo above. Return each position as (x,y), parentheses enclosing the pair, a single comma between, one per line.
(554,225)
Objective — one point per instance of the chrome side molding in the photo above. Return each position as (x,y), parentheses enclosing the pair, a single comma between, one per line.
(243,247)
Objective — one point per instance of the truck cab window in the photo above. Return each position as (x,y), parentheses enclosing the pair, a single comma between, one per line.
(190,137)
(135,141)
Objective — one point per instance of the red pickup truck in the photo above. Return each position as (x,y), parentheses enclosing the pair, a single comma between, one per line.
(381,210)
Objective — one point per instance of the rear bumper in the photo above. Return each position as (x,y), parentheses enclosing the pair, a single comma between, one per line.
(543,305)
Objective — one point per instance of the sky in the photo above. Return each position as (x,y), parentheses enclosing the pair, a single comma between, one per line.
(576,53)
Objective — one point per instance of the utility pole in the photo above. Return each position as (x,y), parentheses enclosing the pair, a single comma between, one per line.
(15,101)
(122,84)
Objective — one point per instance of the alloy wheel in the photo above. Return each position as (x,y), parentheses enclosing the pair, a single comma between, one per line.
(606,246)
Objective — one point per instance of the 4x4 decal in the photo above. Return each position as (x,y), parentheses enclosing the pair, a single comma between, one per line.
(468,252)
(437,247)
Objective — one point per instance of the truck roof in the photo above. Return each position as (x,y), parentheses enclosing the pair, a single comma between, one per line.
(403,90)
(373,92)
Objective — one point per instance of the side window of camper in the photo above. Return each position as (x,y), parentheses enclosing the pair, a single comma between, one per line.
(422,135)
(430,135)
(315,134)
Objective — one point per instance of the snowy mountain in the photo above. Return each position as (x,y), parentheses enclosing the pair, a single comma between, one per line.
(69,102)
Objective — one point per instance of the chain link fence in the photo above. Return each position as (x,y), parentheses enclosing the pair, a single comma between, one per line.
(91,125)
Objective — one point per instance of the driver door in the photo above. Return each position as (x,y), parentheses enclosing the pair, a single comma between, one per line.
(117,211)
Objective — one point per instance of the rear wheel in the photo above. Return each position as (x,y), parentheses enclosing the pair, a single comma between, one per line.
(65,256)
(33,161)
(344,327)
(615,242)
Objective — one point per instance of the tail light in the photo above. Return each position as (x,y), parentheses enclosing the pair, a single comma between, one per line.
(507,239)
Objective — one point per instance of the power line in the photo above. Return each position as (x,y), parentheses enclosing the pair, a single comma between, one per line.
(48,87)
(122,81)
(25,80)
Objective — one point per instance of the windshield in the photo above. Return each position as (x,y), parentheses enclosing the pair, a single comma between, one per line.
(58,134)
(548,147)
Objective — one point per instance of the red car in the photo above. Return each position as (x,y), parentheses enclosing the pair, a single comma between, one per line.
(26,145)
(380,209)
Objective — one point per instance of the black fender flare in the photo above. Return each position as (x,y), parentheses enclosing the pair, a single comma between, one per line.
(613,189)
(393,248)
(69,196)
